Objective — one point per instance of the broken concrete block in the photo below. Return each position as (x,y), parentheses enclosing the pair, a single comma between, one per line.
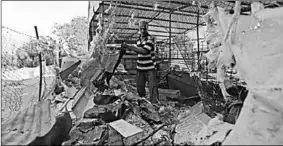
(114,138)
(105,99)
(85,124)
(108,113)
(94,112)
(163,93)
(139,122)
(125,128)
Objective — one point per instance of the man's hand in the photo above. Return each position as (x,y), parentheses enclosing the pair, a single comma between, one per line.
(125,46)
(128,47)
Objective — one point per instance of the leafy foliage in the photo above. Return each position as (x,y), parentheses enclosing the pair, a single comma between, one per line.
(73,33)
(27,55)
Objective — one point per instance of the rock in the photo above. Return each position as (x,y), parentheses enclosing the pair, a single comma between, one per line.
(86,132)
(131,96)
(70,92)
(119,92)
(148,112)
(94,112)
(105,99)
(169,93)
(161,109)
(116,84)
(85,124)
(108,113)
(58,89)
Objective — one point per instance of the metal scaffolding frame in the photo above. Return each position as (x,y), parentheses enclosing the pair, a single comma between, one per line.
(167,19)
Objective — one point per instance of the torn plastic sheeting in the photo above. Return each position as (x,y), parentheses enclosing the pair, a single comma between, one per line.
(32,122)
(94,68)
(91,72)
(111,60)
(66,72)
(215,131)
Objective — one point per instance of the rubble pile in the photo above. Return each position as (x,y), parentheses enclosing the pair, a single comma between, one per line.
(94,107)
(167,124)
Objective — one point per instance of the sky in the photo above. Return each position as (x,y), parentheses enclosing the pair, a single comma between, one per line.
(24,15)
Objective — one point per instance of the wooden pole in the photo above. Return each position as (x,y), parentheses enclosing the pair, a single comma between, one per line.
(40,65)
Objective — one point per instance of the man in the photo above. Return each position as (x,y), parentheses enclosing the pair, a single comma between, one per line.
(146,66)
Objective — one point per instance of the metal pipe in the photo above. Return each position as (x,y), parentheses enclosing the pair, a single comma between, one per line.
(198,38)
(40,66)
(206,66)
(170,38)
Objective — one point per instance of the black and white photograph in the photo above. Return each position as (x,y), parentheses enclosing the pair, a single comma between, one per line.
(142,72)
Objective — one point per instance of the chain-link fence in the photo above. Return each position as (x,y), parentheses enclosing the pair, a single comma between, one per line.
(20,82)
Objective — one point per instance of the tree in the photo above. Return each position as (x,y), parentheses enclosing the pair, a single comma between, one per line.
(27,55)
(74,33)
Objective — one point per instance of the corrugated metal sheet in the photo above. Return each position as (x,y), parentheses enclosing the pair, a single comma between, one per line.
(32,122)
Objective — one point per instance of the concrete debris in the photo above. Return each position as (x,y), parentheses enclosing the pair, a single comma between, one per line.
(164,93)
(101,109)
(124,128)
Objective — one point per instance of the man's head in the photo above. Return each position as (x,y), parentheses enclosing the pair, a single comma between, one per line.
(143,28)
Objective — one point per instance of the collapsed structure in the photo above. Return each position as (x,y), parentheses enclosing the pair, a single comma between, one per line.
(89,97)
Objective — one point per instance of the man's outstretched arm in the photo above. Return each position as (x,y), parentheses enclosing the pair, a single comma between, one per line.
(139,50)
